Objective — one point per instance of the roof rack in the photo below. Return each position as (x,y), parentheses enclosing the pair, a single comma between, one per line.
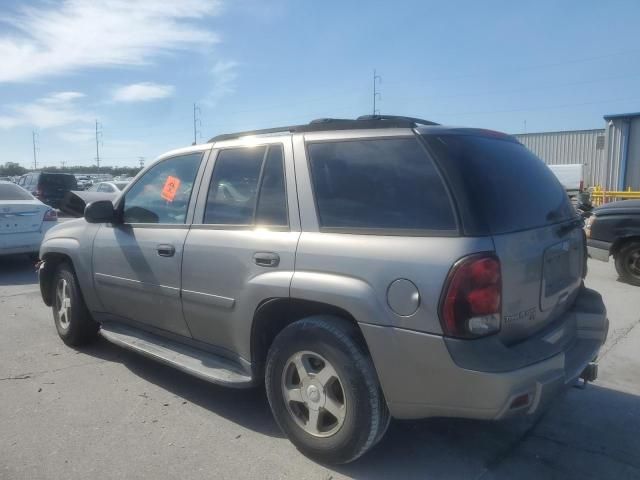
(323,124)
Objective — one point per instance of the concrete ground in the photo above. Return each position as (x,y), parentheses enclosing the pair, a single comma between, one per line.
(103,412)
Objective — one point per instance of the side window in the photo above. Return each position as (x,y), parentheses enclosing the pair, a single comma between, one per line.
(248,188)
(378,184)
(162,194)
(103,187)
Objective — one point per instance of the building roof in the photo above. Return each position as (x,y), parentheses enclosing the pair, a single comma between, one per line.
(622,115)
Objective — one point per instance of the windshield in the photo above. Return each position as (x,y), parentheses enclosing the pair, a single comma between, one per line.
(121,185)
(9,191)
(505,183)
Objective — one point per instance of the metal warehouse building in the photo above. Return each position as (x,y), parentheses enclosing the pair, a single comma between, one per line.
(611,155)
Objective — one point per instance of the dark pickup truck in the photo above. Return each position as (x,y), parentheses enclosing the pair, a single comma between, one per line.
(614,230)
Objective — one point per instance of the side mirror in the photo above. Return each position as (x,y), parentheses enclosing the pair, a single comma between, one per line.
(101,211)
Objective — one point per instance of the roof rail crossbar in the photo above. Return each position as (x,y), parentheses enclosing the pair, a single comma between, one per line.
(418,121)
(320,124)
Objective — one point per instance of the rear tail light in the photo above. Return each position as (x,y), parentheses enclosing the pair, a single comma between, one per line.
(50,216)
(37,193)
(581,185)
(471,305)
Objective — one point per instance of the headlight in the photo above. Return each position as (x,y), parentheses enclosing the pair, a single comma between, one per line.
(587,227)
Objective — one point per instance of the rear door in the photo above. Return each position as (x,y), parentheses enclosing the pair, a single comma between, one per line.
(137,263)
(505,191)
(241,247)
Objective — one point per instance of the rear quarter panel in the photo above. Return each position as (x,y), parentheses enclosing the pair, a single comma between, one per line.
(354,272)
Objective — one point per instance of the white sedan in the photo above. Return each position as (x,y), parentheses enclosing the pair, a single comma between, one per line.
(23,220)
(109,187)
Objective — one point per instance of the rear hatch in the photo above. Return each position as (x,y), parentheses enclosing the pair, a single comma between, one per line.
(505,191)
(53,186)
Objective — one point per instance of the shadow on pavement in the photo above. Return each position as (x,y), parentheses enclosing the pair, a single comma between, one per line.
(590,434)
(246,407)
(17,270)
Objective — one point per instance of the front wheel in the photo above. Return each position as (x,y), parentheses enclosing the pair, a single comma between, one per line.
(70,315)
(323,390)
(628,263)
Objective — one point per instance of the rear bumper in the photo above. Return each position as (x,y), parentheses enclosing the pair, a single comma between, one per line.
(28,242)
(420,377)
(599,250)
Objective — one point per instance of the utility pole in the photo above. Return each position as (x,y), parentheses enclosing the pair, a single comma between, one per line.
(98,135)
(141,161)
(377,79)
(34,137)
(196,123)
(63,164)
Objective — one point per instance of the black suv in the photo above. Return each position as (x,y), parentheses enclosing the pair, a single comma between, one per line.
(48,187)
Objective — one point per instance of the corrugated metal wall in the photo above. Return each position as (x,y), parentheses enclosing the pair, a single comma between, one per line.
(624,132)
(577,146)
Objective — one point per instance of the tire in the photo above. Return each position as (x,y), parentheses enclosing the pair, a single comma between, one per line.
(627,261)
(34,256)
(317,345)
(73,321)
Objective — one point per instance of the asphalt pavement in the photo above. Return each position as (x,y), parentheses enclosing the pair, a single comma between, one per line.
(105,413)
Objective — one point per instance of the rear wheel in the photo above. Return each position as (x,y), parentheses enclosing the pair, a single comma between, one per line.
(628,263)
(70,315)
(323,390)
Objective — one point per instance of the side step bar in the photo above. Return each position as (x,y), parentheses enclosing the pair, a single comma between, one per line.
(196,362)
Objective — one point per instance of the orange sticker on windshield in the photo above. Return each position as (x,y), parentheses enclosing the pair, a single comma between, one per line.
(170,188)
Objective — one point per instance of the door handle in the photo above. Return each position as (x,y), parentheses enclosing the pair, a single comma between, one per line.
(166,250)
(266,259)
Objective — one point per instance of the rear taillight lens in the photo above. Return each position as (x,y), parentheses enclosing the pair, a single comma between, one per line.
(471,305)
(50,216)
(37,193)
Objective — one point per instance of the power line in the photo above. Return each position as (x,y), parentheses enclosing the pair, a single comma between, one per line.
(377,79)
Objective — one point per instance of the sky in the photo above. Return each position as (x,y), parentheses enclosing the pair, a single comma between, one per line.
(138,67)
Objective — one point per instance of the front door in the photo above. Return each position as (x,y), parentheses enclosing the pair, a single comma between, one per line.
(137,262)
(241,247)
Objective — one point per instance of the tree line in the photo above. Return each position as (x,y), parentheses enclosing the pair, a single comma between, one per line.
(12,169)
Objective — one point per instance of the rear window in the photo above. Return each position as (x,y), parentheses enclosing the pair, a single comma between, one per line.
(13,192)
(503,182)
(68,181)
(381,184)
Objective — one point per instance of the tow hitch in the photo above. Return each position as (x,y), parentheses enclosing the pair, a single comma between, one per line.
(589,374)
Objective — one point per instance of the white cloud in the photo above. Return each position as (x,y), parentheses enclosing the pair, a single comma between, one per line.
(76,34)
(54,110)
(142,92)
(224,74)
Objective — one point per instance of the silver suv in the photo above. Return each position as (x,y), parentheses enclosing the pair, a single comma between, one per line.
(362,269)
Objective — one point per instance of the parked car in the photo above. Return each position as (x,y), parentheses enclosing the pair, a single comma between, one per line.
(362,269)
(48,187)
(23,220)
(84,182)
(109,187)
(571,176)
(613,230)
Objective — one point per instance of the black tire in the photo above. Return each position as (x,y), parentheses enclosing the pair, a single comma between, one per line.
(79,328)
(366,416)
(627,261)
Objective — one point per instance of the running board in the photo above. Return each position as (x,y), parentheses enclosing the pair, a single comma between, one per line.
(196,362)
